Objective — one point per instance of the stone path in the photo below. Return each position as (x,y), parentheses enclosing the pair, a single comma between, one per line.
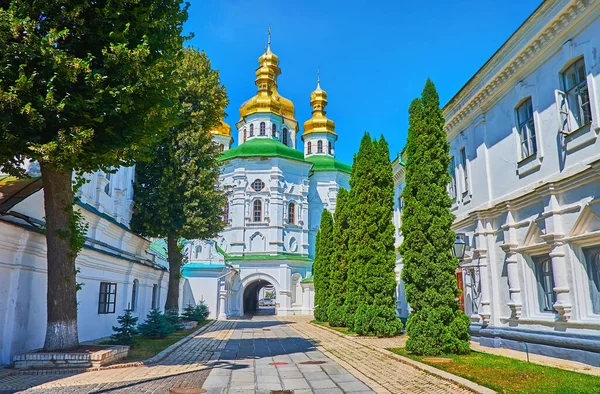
(253,356)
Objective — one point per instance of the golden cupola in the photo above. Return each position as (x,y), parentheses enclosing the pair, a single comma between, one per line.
(222,129)
(319,122)
(267,99)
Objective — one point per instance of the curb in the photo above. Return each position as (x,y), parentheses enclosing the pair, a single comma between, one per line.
(420,366)
(152,360)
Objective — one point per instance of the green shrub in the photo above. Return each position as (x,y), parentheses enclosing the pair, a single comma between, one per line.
(435,331)
(126,330)
(172,316)
(376,320)
(197,313)
(156,325)
(335,314)
(322,266)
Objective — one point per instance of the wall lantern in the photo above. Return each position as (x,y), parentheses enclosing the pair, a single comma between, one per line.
(459,246)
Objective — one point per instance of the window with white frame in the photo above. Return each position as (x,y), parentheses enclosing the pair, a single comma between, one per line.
(574,102)
(309,147)
(226,213)
(452,184)
(258,185)
(274,131)
(292,213)
(251,130)
(465,171)
(107,187)
(592,256)
(257,211)
(545,283)
(526,128)
(262,128)
(319,146)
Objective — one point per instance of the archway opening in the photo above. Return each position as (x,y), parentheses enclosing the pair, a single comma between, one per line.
(259,298)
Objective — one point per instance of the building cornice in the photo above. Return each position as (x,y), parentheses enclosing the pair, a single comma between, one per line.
(546,29)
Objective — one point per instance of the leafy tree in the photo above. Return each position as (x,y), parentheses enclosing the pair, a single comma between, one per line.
(436,324)
(83,85)
(156,325)
(176,193)
(371,242)
(339,262)
(322,265)
(126,330)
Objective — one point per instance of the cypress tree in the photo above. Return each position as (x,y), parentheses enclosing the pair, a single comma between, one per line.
(322,266)
(436,324)
(371,277)
(339,263)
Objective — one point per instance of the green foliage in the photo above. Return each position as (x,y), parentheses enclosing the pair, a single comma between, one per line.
(436,324)
(126,331)
(172,316)
(339,261)
(371,283)
(156,325)
(197,313)
(322,265)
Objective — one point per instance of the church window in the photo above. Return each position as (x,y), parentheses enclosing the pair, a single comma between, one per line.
(155,296)
(134,295)
(245,135)
(292,213)
(274,131)
(226,213)
(108,298)
(221,147)
(257,211)
(592,257)
(197,251)
(319,146)
(262,128)
(258,185)
(309,147)
(526,129)
(329,148)
(545,283)
(463,164)
(107,187)
(285,137)
(574,103)
(251,130)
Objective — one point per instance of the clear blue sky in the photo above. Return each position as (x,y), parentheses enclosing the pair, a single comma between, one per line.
(375,56)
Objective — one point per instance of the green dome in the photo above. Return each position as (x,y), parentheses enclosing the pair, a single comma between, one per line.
(327,163)
(262,147)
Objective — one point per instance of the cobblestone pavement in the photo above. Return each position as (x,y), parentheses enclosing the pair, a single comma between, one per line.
(388,374)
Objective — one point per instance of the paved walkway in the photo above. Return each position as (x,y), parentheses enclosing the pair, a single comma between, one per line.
(253,356)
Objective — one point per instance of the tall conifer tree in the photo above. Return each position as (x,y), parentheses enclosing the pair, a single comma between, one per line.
(339,263)
(322,265)
(436,325)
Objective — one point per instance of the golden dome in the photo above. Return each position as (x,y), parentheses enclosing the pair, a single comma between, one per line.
(268,99)
(222,129)
(319,122)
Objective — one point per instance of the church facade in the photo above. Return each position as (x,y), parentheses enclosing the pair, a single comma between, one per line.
(277,192)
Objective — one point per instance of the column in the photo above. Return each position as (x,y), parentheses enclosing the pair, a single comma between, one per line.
(222,294)
(514,285)
(485,310)
(560,273)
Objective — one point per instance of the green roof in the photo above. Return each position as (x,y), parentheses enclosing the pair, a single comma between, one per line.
(309,279)
(159,246)
(262,147)
(328,163)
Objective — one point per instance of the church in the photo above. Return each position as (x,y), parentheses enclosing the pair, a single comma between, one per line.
(277,192)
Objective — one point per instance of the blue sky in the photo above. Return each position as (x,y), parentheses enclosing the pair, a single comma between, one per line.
(374,56)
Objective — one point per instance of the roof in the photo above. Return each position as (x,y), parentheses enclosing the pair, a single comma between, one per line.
(327,163)
(309,279)
(279,256)
(13,190)
(262,147)
(159,247)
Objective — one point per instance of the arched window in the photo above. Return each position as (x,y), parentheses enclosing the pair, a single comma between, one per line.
(262,128)
(226,213)
(221,148)
(329,147)
(257,211)
(274,130)
(245,135)
(309,145)
(319,146)
(292,213)
(197,251)
(258,185)
(134,295)
(251,130)
(285,137)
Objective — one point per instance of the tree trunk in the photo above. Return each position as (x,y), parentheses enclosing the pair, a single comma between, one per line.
(61,302)
(175,258)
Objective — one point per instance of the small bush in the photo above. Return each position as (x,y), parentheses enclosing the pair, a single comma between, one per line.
(376,320)
(125,332)
(172,315)
(156,325)
(197,313)
(435,331)
(336,316)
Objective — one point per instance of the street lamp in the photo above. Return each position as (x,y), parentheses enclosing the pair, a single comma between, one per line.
(459,246)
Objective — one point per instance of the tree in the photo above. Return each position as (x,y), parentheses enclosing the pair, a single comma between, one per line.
(156,325)
(322,265)
(126,329)
(371,241)
(83,85)
(436,324)
(339,261)
(176,192)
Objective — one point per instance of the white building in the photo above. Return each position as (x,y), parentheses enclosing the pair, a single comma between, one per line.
(277,193)
(526,179)
(115,267)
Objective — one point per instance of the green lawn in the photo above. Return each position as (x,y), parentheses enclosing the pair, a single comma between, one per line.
(507,375)
(343,330)
(145,348)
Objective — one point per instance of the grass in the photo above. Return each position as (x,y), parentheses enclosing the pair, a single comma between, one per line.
(343,330)
(507,375)
(144,348)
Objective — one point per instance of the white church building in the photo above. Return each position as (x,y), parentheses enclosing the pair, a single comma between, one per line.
(277,192)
